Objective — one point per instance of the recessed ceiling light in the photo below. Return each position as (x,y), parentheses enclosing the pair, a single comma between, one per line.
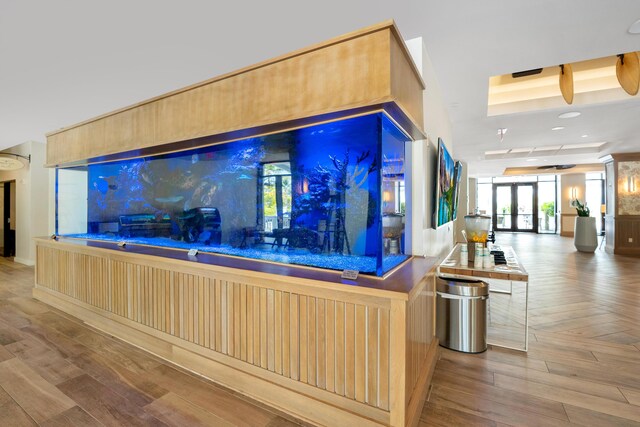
(585,135)
(569,115)
(558,128)
(531,160)
(635,27)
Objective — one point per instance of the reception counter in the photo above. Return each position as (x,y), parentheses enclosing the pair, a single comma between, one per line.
(326,350)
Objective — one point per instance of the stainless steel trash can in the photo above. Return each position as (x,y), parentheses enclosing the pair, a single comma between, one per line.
(461,314)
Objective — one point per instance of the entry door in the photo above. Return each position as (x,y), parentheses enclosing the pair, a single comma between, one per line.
(514,207)
(9,238)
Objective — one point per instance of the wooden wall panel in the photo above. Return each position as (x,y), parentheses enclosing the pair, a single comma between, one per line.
(420,331)
(627,235)
(366,68)
(405,87)
(337,346)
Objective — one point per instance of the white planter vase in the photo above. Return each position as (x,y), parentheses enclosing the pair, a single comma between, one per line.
(584,234)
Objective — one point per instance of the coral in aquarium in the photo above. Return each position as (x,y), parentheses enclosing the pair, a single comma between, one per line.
(309,196)
(343,178)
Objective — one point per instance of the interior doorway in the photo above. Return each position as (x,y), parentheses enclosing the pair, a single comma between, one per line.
(515,207)
(9,219)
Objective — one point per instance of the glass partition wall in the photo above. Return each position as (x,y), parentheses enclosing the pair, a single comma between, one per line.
(329,196)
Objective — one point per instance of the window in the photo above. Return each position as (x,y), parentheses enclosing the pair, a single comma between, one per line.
(594,196)
(276,196)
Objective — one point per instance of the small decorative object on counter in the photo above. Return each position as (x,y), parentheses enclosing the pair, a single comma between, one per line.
(493,260)
(464,256)
(486,258)
(477,261)
(477,255)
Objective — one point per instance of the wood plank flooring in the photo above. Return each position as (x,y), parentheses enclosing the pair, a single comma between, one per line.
(57,371)
(583,366)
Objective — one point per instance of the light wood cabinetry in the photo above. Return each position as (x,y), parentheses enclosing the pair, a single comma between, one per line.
(328,353)
(364,71)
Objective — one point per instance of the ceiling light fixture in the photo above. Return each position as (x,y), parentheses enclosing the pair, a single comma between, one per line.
(569,115)
(628,71)
(501,133)
(566,82)
(11,162)
(531,160)
(558,128)
(584,136)
(635,27)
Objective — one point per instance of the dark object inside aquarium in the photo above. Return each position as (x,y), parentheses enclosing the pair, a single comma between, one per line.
(145,225)
(201,225)
(327,196)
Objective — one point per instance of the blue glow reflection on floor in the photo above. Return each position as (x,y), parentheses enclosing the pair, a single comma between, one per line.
(363,264)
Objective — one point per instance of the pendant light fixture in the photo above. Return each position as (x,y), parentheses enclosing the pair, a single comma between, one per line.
(628,72)
(566,82)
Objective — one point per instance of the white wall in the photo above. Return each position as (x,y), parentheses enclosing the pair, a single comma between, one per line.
(424,239)
(567,182)
(32,200)
(472,187)
(463,203)
(72,201)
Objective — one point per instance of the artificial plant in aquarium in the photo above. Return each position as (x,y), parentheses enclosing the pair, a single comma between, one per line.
(311,196)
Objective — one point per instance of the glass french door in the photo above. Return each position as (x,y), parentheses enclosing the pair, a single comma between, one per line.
(515,207)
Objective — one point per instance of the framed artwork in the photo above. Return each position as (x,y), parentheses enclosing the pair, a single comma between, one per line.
(445,187)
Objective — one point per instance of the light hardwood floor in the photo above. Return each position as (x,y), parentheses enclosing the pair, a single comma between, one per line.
(583,366)
(57,371)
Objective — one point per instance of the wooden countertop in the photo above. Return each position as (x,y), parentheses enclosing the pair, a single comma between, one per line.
(514,270)
(398,284)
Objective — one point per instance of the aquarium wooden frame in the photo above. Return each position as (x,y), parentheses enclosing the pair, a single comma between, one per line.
(359,73)
(355,352)
(326,350)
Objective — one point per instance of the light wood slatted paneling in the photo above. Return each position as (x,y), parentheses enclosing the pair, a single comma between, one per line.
(332,345)
(420,332)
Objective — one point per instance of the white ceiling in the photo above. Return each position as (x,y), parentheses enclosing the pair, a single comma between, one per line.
(65,61)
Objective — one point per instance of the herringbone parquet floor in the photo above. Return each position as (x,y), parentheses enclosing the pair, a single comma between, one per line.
(583,365)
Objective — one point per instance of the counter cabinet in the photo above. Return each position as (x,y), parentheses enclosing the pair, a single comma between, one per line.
(327,351)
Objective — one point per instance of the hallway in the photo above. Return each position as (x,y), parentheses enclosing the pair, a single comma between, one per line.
(583,364)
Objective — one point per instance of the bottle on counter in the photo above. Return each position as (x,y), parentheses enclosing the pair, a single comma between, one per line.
(464,256)
(486,258)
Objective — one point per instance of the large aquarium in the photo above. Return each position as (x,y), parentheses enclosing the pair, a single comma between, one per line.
(329,196)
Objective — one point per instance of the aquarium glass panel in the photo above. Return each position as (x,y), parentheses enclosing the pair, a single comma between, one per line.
(393,196)
(320,196)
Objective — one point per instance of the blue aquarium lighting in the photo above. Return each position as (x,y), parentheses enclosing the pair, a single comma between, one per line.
(328,196)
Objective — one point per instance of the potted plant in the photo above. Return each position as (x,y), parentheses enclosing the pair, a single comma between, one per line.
(549,209)
(584,235)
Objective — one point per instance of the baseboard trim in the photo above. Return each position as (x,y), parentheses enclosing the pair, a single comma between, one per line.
(627,251)
(24,261)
